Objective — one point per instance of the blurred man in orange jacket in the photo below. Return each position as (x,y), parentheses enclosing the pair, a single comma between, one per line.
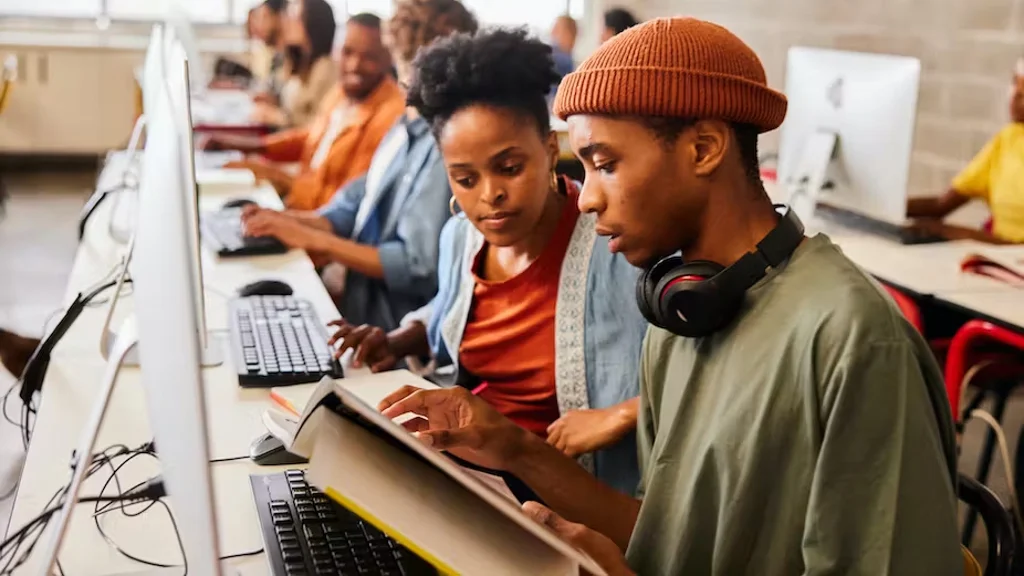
(339,144)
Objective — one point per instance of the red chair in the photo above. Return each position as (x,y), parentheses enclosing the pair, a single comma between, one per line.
(998,373)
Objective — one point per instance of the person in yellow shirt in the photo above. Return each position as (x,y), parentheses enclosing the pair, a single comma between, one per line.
(996,175)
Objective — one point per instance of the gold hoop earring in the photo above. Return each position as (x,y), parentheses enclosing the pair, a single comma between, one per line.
(554,181)
(451,205)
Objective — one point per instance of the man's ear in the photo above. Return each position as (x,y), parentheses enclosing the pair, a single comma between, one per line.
(710,143)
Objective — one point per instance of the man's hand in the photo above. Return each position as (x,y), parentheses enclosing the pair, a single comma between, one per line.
(582,431)
(370,343)
(596,545)
(289,231)
(459,422)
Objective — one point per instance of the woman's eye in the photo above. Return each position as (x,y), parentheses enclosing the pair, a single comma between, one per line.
(606,167)
(511,169)
(465,182)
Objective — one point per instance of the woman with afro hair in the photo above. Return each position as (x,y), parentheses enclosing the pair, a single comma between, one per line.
(533,311)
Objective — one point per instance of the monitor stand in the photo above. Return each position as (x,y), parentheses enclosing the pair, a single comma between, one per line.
(212,351)
(803,187)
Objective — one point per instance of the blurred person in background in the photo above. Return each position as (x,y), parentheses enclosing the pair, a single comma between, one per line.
(307,34)
(380,233)
(340,142)
(563,41)
(15,350)
(995,175)
(267,51)
(617,21)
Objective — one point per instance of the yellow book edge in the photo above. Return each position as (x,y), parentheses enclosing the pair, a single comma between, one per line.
(398,537)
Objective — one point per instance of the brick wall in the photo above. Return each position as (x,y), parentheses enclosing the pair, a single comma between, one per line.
(967,50)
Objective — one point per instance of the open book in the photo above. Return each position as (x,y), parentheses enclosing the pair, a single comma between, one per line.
(460,520)
(1004,268)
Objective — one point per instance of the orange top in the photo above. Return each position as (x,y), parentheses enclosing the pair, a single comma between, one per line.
(509,341)
(365,125)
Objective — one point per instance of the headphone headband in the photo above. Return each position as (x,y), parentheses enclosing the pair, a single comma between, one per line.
(771,251)
(697,298)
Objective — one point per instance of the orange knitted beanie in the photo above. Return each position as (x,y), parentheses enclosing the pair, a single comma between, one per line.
(673,67)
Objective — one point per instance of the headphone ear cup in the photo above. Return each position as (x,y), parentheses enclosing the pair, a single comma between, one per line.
(646,288)
(689,302)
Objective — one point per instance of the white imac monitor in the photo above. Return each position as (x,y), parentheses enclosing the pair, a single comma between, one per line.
(863,107)
(166,335)
(178,21)
(169,348)
(178,109)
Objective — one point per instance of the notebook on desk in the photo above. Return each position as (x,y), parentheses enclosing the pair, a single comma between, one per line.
(458,521)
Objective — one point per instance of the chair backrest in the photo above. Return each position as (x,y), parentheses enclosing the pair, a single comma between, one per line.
(998,525)
(7,77)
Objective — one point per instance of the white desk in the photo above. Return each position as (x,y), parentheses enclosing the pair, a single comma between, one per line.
(924,269)
(1005,307)
(72,383)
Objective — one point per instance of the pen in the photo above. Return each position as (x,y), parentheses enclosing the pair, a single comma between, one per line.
(283,402)
(479,389)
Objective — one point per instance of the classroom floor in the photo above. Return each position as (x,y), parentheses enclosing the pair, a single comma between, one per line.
(37,247)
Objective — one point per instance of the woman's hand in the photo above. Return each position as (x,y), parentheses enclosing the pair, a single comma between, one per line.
(370,343)
(599,547)
(583,431)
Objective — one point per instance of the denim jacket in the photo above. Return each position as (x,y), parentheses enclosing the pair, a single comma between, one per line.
(598,330)
(411,197)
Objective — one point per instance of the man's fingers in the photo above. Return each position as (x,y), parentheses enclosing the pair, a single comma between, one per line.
(538,512)
(449,439)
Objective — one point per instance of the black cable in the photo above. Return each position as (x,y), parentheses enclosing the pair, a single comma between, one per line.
(36,526)
(243,554)
(232,459)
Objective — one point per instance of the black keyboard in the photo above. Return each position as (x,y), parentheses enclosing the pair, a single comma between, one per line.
(222,231)
(305,532)
(903,234)
(278,341)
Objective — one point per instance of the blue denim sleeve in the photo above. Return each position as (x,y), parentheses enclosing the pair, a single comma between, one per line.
(449,277)
(341,210)
(613,336)
(410,260)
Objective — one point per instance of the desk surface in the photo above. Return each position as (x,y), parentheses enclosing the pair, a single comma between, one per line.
(234,414)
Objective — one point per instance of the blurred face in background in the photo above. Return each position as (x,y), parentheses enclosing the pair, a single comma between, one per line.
(293,30)
(1017,93)
(563,34)
(265,25)
(364,60)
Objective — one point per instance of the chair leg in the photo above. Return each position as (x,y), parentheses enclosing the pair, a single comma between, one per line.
(1002,395)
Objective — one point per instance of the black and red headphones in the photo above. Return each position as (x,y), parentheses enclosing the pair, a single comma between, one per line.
(695,299)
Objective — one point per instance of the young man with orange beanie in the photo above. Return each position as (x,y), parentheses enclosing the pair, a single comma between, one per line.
(791,421)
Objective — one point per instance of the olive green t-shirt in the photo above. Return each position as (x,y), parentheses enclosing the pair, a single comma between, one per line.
(810,436)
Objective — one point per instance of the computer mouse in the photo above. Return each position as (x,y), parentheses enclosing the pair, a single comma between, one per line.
(267,450)
(238,203)
(266,288)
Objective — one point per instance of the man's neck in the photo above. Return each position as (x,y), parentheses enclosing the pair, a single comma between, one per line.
(732,226)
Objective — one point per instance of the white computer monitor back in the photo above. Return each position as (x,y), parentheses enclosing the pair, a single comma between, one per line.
(870,102)
(169,346)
